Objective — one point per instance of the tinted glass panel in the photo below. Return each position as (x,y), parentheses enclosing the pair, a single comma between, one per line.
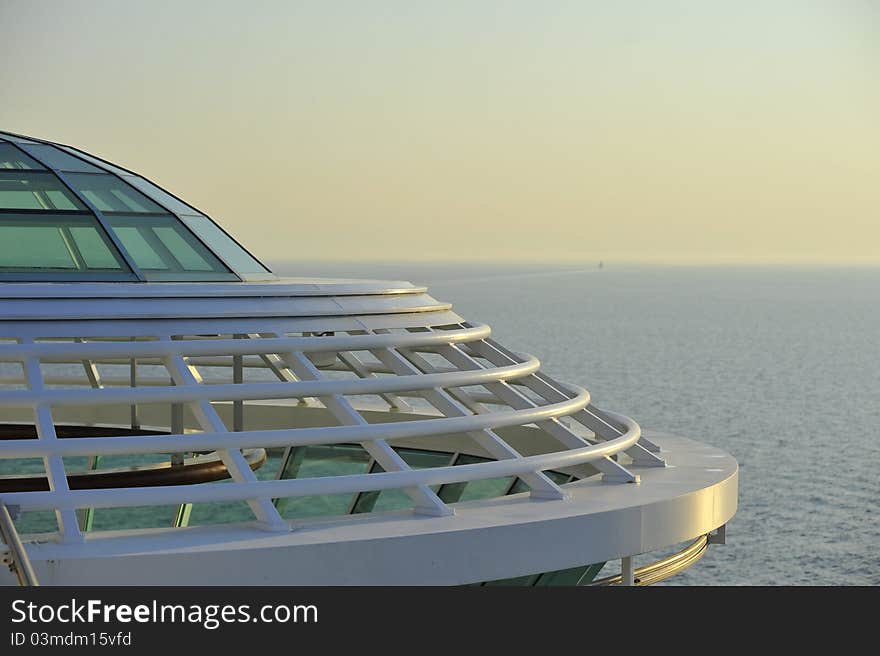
(10,137)
(57,159)
(74,243)
(182,250)
(486,489)
(24,190)
(110,194)
(222,244)
(94,247)
(162,197)
(35,246)
(164,249)
(12,158)
(138,246)
(94,160)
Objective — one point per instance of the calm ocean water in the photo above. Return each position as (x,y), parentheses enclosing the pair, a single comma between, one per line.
(779,367)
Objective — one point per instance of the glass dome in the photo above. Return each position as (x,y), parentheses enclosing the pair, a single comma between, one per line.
(68,216)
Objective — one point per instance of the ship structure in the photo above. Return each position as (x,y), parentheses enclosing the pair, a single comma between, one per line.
(172,412)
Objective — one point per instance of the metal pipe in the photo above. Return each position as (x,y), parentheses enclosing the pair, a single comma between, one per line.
(52,351)
(21,563)
(664,568)
(260,391)
(627,573)
(74,446)
(125,497)
(238,379)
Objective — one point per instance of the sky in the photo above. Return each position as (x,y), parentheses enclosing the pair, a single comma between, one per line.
(671,132)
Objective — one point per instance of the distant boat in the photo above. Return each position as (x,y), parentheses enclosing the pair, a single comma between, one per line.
(601,264)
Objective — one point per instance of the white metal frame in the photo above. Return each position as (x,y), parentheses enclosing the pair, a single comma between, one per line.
(401,369)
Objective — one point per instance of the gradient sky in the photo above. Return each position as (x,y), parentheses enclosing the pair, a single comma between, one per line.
(649,131)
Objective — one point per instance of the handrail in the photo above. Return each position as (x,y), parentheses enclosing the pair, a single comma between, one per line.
(260,391)
(52,351)
(205,492)
(664,568)
(84,446)
(21,563)
(204,469)
(292,353)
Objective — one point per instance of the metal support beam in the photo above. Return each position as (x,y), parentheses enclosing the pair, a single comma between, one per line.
(612,471)
(425,500)
(402,363)
(68,524)
(87,515)
(719,536)
(553,392)
(238,379)
(132,374)
(627,571)
(210,421)
(354,363)
(19,562)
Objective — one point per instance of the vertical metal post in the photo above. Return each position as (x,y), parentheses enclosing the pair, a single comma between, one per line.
(20,562)
(238,379)
(87,515)
(185,375)
(177,429)
(719,536)
(68,522)
(132,371)
(627,571)
(176,423)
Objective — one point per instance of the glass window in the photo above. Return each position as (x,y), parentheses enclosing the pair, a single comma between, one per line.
(160,196)
(24,190)
(52,242)
(110,194)
(14,139)
(315,461)
(12,158)
(164,249)
(94,247)
(105,166)
(57,159)
(35,246)
(182,250)
(138,246)
(224,245)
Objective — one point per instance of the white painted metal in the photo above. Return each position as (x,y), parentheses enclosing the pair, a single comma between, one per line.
(627,571)
(401,343)
(17,559)
(445,401)
(119,497)
(299,379)
(54,465)
(483,400)
(185,376)
(252,391)
(426,502)
(484,540)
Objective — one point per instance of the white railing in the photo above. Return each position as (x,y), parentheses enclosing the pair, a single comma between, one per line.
(261,391)
(17,559)
(512,380)
(206,492)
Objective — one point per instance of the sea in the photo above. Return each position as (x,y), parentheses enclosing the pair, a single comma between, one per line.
(780,367)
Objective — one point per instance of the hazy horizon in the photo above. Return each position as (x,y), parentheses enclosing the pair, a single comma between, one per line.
(683,133)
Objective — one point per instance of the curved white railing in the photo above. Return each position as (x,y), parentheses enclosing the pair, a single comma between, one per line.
(120,497)
(477,377)
(259,391)
(54,351)
(82,446)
